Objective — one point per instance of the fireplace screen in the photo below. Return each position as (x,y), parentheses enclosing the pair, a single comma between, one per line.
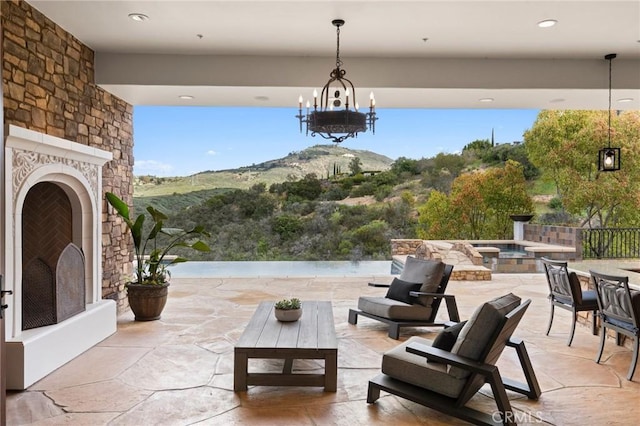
(47,300)
(37,295)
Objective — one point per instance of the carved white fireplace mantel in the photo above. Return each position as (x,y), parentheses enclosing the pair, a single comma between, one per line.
(32,158)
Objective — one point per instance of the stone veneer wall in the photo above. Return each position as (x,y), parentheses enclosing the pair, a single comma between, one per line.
(48,83)
(405,247)
(516,266)
(421,249)
(469,251)
(559,235)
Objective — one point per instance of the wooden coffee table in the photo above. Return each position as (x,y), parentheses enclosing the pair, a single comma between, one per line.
(313,336)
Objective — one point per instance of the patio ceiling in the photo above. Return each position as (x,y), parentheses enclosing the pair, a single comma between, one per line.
(413,54)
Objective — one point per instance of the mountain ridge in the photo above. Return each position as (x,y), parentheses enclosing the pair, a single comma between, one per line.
(322,160)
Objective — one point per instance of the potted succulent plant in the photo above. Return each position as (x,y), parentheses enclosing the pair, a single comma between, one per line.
(147,293)
(288,309)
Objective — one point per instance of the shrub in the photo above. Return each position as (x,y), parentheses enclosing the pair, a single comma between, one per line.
(366,188)
(286,225)
(383,192)
(555,203)
(336,193)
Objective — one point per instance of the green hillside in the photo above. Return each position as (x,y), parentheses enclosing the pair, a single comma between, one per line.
(320,159)
(171,203)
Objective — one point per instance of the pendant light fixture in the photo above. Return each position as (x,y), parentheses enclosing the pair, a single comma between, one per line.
(337,117)
(609,158)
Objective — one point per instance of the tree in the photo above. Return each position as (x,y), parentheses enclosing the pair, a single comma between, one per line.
(564,146)
(405,165)
(443,169)
(399,215)
(478,145)
(355,166)
(505,193)
(479,205)
(467,204)
(307,188)
(453,163)
(435,218)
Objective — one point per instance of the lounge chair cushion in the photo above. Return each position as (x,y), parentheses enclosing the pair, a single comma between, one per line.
(447,337)
(411,368)
(476,333)
(425,271)
(393,309)
(399,290)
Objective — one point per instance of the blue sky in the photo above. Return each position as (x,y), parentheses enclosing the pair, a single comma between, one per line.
(180,141)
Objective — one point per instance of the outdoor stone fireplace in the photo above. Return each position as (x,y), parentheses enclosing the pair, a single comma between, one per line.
(53,222)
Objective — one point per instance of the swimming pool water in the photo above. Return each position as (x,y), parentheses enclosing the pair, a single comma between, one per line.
(280,269)
(507,251)
(514,253)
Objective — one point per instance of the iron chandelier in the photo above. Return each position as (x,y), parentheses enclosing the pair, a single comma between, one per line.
(335,118)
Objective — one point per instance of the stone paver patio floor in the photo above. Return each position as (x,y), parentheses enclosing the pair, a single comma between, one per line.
(179,370)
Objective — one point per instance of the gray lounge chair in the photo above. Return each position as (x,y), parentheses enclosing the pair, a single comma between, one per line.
(423,283)
(448,380)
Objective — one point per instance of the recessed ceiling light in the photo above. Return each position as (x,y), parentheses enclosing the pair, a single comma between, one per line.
(486,100)
(547,23)
(624,100)
(138,17)
(261,98)
(185,97)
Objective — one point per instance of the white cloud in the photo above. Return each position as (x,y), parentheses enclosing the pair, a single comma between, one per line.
(152,167)
(211,152)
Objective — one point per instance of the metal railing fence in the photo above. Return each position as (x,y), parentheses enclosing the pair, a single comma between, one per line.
(611,243)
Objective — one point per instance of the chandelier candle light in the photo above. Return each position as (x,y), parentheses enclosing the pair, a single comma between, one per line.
(334,118)
(609,158)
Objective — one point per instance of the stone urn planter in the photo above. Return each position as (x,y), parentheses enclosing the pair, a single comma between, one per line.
(147,300)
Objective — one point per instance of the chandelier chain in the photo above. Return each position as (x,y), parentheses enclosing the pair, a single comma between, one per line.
(338,61)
